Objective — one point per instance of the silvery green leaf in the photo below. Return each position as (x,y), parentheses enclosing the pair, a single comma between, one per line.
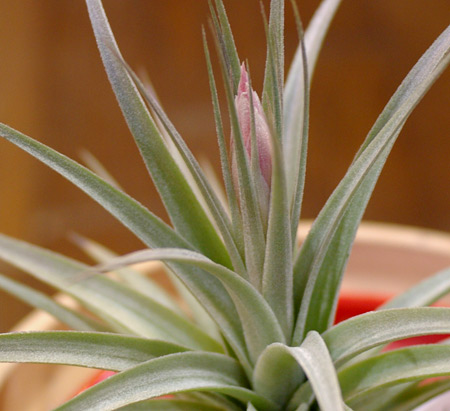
(170,404)
(276,363)
(274,74)
(252,227)
(36,299)
(317,278)
(224,157)
(296,102)
(400,397)
(314,358)
(358,334)
(277,282)
(141,282)
(394,367)
(176,373)
(182,206)
(426,292)
(86,349)
(146,226)
(223,30)
(260,325)
(120,306)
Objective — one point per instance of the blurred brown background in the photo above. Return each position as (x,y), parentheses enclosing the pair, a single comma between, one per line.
(52,87)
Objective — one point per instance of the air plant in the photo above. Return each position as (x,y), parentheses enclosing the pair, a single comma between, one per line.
(256,328)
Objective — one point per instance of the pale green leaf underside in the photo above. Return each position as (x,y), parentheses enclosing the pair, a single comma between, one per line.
(358,334)
(176,373)
(36,299)
(260,325)
(425,293)
(85,349)
(314,358)
(115,303)
(182,206)
(170,405)
(394,367)
(355,188)
(145,225)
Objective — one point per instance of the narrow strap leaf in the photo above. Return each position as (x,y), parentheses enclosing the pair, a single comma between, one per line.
(295,135)
(358,334)
(224,158)
(117,304)
(274,75)
(314,36)
(409,395)
(394,367)
(36,299)
(253,231)
(169,404)
(136,280)
(182,206)
(277,283)
(345,206)
(261,327)
(229,48)
(86,349)
(425,293)
(146,226)
(176,373)
(212,202)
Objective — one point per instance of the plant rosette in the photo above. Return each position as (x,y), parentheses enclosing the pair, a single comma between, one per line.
(255,327)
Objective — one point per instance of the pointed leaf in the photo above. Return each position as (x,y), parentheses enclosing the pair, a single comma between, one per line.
(223,29)
(139,281)
(276,363)
(273,78)
(213,204)
(314,36)
(145,225)
(224,158)
(296,101)
(183,207)
(253,231)
(343,210)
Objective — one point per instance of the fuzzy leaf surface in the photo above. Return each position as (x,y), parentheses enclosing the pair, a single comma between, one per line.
(425,293)
(343,210)
(176,373)
(314,358)
(146,226)
(394,367)
(36,299)
(260,325)
(115,303)
(179,199)
(85,349)
(358,334)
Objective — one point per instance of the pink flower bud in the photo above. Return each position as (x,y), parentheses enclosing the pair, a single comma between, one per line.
(262,134)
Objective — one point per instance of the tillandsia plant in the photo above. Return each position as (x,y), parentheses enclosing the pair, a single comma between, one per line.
(256,329)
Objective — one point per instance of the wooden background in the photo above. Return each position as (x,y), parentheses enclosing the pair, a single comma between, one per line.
(52,87)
